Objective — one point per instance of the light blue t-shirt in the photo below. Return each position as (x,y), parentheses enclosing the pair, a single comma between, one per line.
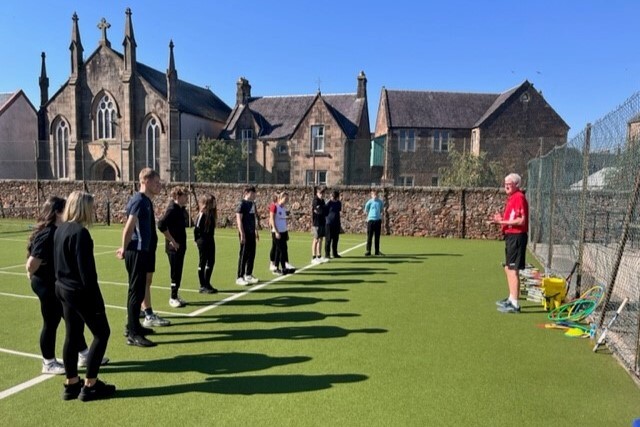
(373,208)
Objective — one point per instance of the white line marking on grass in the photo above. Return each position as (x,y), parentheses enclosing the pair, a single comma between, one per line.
(44,377)
(13,273)
(18,296)
(25,385)
(117,307)
(20,353)
(12,266)
(262,285)
(166,288)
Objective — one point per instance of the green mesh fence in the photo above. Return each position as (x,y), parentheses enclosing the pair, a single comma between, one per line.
(584,208)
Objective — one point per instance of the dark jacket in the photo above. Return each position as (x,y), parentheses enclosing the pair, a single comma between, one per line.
(174,220)
(73,258)
(203,232)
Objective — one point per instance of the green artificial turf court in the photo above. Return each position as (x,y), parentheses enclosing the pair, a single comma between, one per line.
(412,338)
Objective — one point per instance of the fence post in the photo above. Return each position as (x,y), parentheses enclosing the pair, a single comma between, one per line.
(539,201)
(552,203)
(583,207)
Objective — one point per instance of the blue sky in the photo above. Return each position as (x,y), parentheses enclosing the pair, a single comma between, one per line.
(583,55)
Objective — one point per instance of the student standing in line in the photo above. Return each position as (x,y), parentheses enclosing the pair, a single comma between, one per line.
(318,224)
(272,252)
(514,222)
(334,207)
(203,234)
(280,233)
(82,303)
(173,225)
(41,273)
(248,235)
(373,209)
(139,242)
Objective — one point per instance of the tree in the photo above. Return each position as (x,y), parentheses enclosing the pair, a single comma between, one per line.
(218,161)
(469,170)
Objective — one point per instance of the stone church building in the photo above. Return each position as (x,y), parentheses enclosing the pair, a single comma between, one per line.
(115,116)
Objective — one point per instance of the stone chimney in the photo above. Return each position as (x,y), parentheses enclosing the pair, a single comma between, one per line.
(243,92)
(362,85)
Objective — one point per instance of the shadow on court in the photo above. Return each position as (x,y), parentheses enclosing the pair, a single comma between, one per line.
(209,363)
(291,316)
(281,301)
(284,333)
(265,384)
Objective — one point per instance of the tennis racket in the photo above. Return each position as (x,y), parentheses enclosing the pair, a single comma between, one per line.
(613,319)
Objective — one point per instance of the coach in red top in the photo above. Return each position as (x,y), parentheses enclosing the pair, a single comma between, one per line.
(515,225)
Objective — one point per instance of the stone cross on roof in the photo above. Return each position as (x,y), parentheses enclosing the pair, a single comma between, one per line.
(103,25)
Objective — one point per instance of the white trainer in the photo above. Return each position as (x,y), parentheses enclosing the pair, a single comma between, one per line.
(177,302)
(272,267)
(155,320)
(289,266)
(53,368)
(241,282)
(250,279)
(82,360)
(324,259)
(315,261)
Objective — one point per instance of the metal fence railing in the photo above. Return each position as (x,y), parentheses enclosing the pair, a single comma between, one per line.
(584,208)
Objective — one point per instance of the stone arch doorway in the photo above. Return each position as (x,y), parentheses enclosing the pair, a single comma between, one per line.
(104,170)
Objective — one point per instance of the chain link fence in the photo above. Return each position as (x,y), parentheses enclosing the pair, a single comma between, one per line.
(584,209)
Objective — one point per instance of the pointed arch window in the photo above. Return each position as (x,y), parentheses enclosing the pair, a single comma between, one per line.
(106,118)
(60,149)
(153,144)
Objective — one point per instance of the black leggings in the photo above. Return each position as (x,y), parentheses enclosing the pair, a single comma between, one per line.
(176,265)
(282,250)
(247,255)
(80,308)
(206,262)
(138,264)
(373,233)
(331,241)
(51,310)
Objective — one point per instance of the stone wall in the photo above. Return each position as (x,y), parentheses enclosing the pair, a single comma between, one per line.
(418,211)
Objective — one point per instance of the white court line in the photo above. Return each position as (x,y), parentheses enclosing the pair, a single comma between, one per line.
(260,286)
(44,377)
(22,265)
(116,307)
(25,385)
(20,353)
(13,266)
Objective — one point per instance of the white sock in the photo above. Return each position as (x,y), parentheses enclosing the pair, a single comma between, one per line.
(514,302)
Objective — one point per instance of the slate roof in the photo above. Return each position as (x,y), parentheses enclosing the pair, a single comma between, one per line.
(500,100)
(192,99)
(279,116)
(449,110)
(4,97)
(7,99)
